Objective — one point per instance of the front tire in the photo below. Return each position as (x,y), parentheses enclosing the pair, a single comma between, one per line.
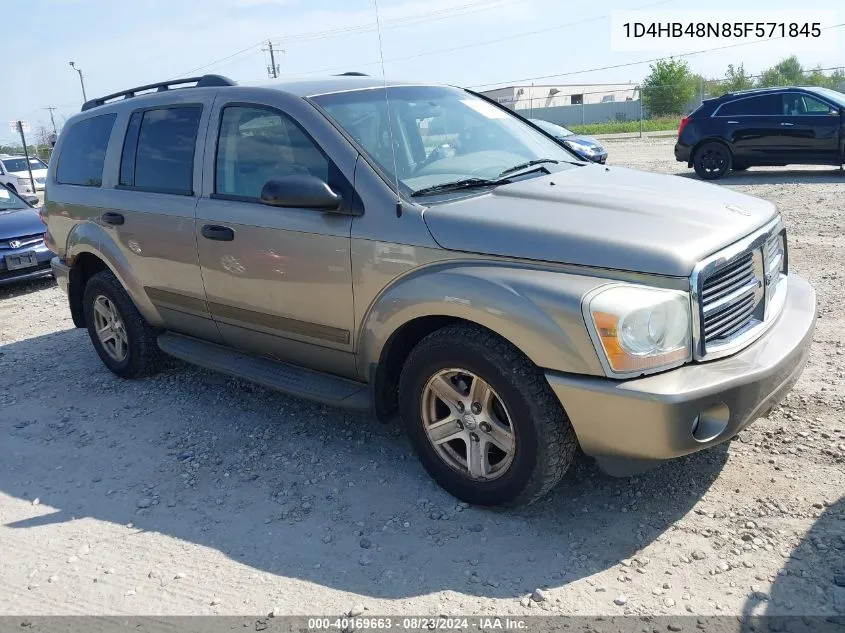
(483,419)
(712,161)
(124,341)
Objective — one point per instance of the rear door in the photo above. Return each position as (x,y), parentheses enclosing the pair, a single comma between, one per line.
(752,125)
(810,129)
(153,204)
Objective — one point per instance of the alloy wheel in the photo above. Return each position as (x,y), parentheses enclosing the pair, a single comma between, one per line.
(467,424)
(110,328)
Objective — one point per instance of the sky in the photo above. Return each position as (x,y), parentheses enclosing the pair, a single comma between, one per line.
(119,44)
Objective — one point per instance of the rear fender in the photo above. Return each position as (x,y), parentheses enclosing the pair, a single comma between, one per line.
(88,237)
(539,311)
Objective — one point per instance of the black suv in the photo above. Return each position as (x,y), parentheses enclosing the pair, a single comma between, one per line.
(766,126)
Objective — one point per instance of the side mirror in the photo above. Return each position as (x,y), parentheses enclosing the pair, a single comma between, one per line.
(302,191)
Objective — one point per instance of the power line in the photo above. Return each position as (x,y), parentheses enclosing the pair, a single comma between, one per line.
(411,20)
(395,23)
(643,61)
(222,59)
(474,44)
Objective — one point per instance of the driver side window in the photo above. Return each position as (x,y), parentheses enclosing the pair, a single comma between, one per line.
(258,144)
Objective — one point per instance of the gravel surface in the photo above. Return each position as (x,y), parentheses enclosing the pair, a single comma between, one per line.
(191,493)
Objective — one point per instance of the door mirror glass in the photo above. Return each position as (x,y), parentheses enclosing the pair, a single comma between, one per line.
(301,191)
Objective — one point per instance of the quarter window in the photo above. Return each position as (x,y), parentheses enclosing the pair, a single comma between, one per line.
(257,145)
(764,105)
(158,151)
(84,152)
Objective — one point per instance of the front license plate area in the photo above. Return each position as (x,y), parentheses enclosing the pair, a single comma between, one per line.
(21,260)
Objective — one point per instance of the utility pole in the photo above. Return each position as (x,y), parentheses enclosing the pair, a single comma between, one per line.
(52,120)
(81,80)
(272,69)
(21,126)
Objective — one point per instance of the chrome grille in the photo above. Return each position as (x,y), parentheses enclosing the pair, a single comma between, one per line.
(730,297)
(25,240)
(739,291)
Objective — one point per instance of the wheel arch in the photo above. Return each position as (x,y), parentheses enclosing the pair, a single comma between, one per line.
(709,139)
(537,311)
(90,249)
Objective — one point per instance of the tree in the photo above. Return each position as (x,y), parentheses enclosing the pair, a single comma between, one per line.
(668,88)
(787,72)
(736,79)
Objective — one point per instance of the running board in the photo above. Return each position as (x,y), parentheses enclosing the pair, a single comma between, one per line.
(284,377)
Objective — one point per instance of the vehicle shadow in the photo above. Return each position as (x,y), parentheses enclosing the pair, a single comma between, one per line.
(21,288)
(768,176)
(809,592)
(298,489)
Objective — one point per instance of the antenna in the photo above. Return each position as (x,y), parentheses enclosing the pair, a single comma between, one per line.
(389,119)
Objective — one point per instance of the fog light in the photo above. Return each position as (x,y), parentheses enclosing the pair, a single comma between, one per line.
(711,423)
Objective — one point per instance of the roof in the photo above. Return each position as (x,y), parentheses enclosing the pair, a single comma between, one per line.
(751,91)
(327,85)
(302,88)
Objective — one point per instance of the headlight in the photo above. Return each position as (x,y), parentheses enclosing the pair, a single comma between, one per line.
(639,329)
(581,147)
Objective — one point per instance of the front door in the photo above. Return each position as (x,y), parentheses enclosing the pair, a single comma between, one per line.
(278,280)
(810,130)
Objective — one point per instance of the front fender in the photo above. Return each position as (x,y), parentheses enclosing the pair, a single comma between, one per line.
(539,311)
(88,237)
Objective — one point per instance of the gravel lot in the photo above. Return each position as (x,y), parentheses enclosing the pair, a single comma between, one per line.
(190,493)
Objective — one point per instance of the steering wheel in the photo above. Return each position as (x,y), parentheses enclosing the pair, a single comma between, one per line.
(474,139)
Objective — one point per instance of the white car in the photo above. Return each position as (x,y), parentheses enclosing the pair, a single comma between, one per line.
(13,173)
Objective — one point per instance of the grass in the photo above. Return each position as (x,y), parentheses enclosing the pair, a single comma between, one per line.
(657,124)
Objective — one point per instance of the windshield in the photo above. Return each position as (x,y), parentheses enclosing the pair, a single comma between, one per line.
(19,164)
(8,200)
(552,128)
(441,135)
(837,97)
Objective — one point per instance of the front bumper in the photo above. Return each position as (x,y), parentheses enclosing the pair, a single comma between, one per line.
(632,425)
(61,272)
(43,255)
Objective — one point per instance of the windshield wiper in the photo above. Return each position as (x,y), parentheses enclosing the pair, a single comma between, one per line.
(467,183)
(525,165)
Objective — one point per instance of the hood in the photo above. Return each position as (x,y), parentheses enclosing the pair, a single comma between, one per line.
(584,140)
(19,222)
(609,217)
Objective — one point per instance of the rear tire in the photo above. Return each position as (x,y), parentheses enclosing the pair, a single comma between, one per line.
(125,342)
(519,404)
(712,160)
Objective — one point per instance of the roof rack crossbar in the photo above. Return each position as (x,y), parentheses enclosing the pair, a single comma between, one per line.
(205,81)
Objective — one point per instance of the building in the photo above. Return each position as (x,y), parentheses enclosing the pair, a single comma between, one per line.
(528,97)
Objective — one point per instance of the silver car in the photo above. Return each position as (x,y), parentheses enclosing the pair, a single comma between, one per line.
(419,251)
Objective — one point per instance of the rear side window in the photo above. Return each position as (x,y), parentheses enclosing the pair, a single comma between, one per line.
(764,105)
(158,151)
(84,152)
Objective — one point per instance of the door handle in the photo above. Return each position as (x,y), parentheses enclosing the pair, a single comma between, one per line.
(217,232)
(110,217)
(787,124)
(733,121)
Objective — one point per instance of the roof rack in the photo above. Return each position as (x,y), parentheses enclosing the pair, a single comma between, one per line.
(205,81)
(352,73)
